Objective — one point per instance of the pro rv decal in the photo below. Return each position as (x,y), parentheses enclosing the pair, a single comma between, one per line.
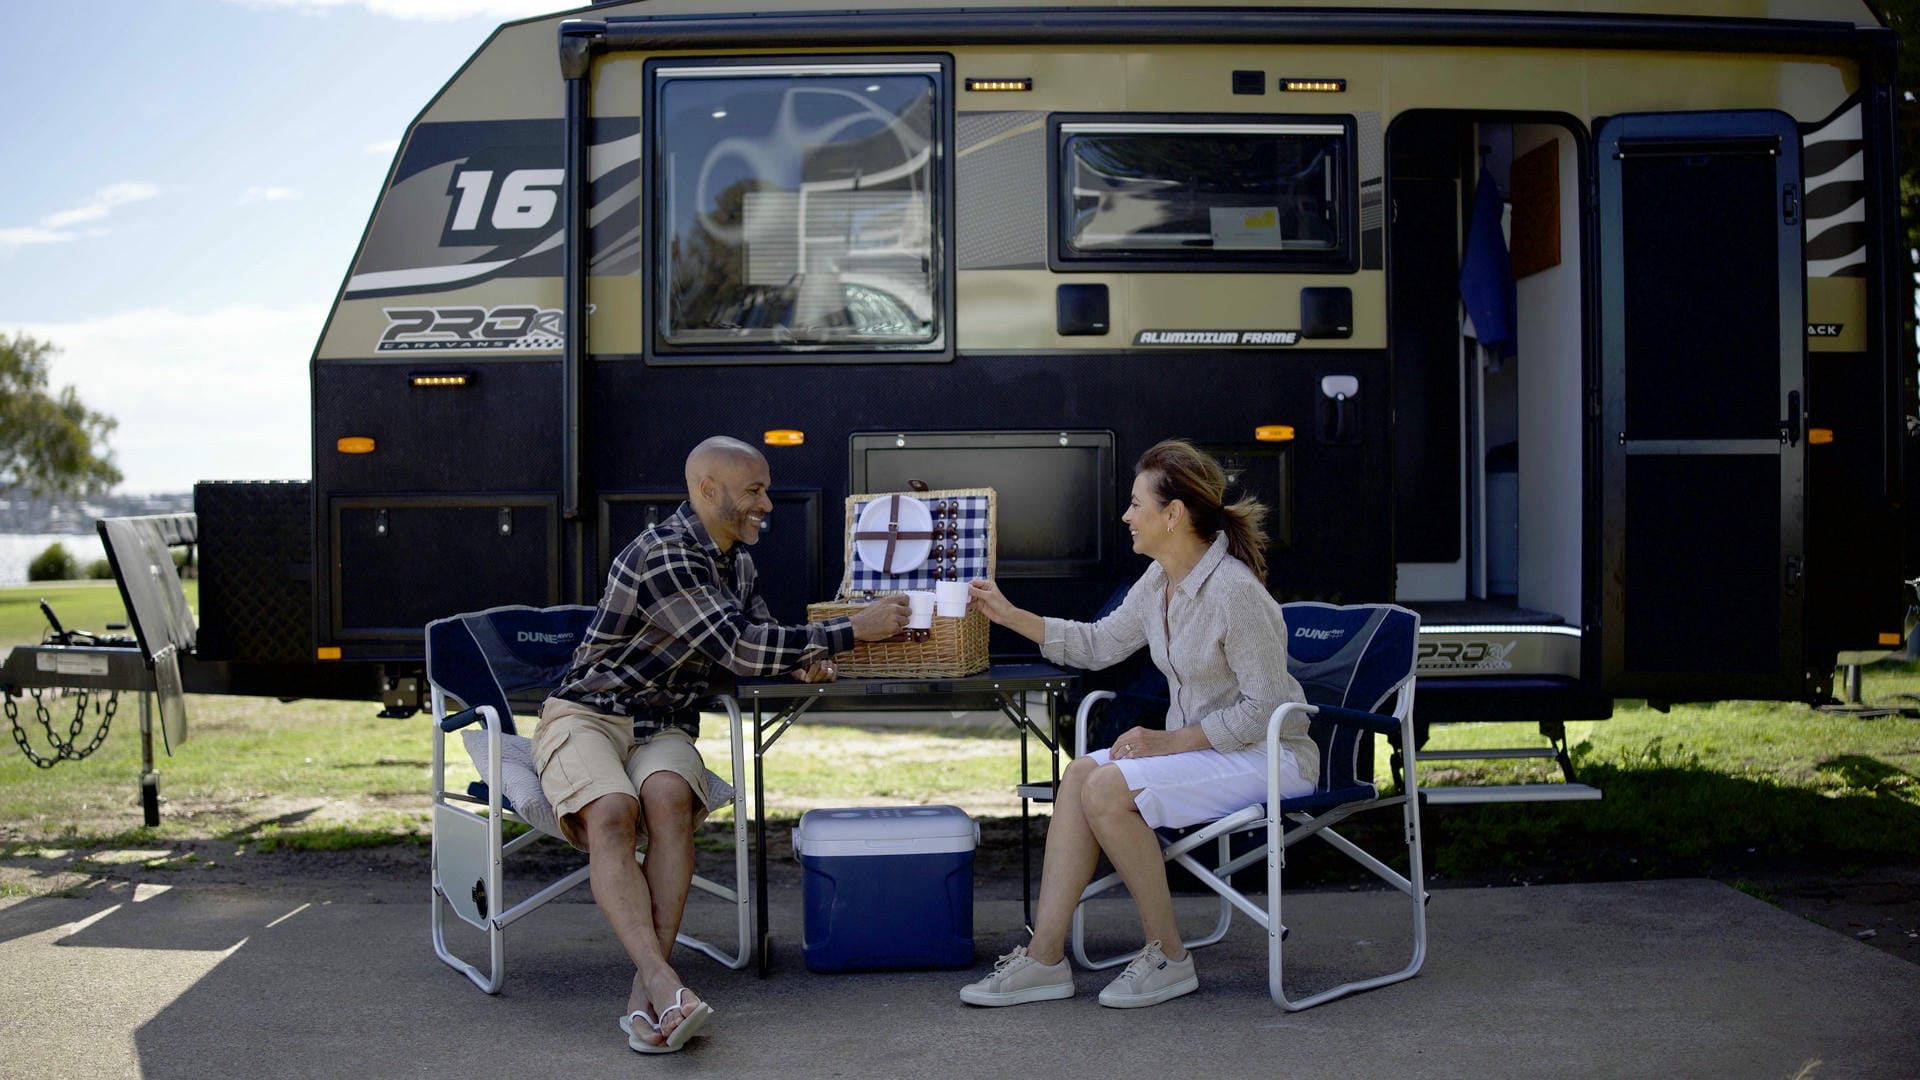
(513,327)
(1217,338)
(1471,655)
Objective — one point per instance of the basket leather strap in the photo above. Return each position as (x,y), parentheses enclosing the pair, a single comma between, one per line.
(893,535)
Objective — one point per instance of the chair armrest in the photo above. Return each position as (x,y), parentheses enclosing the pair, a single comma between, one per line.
(1082,715)
(461,719)
(1377,723)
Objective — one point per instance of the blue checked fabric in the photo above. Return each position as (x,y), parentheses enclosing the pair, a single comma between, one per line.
(972,542)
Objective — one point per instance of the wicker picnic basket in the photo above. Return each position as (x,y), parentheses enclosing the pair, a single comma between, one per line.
(954,647)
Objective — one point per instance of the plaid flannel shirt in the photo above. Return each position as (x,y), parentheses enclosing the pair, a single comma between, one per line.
(676,609)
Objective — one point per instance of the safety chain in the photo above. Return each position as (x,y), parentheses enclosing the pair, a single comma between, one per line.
(63,748)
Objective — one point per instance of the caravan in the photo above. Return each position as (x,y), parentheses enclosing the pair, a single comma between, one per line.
(1574,328)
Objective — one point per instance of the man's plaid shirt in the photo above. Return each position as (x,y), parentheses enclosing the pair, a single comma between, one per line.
(676,608)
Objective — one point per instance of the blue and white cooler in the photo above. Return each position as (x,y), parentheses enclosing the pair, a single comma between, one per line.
(887,888)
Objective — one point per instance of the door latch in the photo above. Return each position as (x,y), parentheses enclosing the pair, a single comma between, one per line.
(1790,427)
(1790,203)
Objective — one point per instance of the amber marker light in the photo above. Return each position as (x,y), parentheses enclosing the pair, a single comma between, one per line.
(1819,436)
(1890,639)
(440,378)
(784,437)
(1274,433)
(1314,86)
(354,444)
(327,652)
(1000,86)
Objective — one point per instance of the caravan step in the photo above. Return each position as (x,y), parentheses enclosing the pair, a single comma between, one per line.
(1509,793)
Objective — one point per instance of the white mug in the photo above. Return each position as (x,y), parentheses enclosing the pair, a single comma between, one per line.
(920,609)
(951,597)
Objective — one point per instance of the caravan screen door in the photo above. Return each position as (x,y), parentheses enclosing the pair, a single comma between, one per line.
(1702,341)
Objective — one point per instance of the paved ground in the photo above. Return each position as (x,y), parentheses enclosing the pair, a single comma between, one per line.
(1672,978)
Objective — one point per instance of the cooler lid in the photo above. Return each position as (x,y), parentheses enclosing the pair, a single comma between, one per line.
(885,830)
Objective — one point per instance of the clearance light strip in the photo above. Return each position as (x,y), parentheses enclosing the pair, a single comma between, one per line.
(1000,86)
(1314,86)
(440,378)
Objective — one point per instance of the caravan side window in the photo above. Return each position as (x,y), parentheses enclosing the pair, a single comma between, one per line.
(1183,193)
(798,208)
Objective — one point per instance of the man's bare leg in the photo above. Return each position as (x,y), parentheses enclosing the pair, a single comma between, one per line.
(620,892)
(667,805)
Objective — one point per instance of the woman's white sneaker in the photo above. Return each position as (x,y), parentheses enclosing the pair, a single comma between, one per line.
(1018,978)
(1150,979)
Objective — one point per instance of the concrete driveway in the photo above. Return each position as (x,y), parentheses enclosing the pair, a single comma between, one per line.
(1672,978)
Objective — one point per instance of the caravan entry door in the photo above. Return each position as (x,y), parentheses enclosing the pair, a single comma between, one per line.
(1701,404)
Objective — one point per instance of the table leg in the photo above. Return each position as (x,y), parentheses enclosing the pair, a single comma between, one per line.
(759,843)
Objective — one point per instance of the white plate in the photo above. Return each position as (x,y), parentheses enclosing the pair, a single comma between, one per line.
(907,554)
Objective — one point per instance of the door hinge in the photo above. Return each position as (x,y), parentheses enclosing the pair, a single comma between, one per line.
(1795,569)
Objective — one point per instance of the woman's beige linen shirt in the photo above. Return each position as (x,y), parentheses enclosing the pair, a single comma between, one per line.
(1222,646)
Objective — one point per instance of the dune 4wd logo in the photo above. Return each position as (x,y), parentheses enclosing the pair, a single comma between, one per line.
(1464,656)
(542,637)
(510,327)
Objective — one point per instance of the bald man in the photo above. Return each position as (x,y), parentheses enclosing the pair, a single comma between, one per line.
(615,746)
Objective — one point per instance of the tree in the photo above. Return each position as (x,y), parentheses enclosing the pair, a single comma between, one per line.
(51,445)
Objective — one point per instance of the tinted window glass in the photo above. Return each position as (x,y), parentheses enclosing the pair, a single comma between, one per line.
(797,207)
(1203,191)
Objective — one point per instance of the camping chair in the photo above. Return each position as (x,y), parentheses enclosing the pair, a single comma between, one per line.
(491,661)
(1353,662)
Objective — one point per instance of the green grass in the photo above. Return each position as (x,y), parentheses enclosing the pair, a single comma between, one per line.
(1703,789)
(80,605)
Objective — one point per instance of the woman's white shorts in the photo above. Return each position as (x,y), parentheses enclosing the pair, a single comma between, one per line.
(1175,790)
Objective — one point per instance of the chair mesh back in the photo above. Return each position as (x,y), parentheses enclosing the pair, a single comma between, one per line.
(504,656)
(1353,657)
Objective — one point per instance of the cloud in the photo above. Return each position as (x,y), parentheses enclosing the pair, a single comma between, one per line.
(426,10)
(213,395)
(384,148)
(57,227)
(257,193)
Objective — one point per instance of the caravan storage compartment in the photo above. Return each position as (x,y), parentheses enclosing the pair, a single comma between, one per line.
(887,888)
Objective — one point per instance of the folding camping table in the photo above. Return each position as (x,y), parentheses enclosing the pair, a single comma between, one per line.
(776,703)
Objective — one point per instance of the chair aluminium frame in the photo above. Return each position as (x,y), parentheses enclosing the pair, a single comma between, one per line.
(1338,796)
(469,845)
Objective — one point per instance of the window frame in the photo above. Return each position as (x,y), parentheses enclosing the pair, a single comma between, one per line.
(1344,257)
(656,230)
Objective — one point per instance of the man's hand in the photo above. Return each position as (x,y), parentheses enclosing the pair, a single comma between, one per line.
(818,671)
(881,619)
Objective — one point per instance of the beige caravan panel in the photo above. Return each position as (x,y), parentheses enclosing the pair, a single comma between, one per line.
(1643,82)
(1836,314)
(515,77)
(1851,11)
(1200,79)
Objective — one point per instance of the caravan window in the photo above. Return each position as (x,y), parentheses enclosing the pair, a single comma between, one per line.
(1209,195)
(798,207)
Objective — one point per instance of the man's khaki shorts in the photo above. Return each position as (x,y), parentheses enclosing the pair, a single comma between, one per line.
(581,755)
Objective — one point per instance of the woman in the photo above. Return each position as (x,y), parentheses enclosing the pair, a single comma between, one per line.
(1203,612)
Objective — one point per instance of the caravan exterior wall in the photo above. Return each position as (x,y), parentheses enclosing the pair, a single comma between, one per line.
(612,236)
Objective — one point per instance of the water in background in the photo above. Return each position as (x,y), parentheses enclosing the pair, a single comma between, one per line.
(19,549)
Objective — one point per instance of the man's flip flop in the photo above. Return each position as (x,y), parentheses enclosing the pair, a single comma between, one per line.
(691,1020)
(633,1037)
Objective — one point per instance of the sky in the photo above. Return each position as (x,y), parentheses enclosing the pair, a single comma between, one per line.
(185,182)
